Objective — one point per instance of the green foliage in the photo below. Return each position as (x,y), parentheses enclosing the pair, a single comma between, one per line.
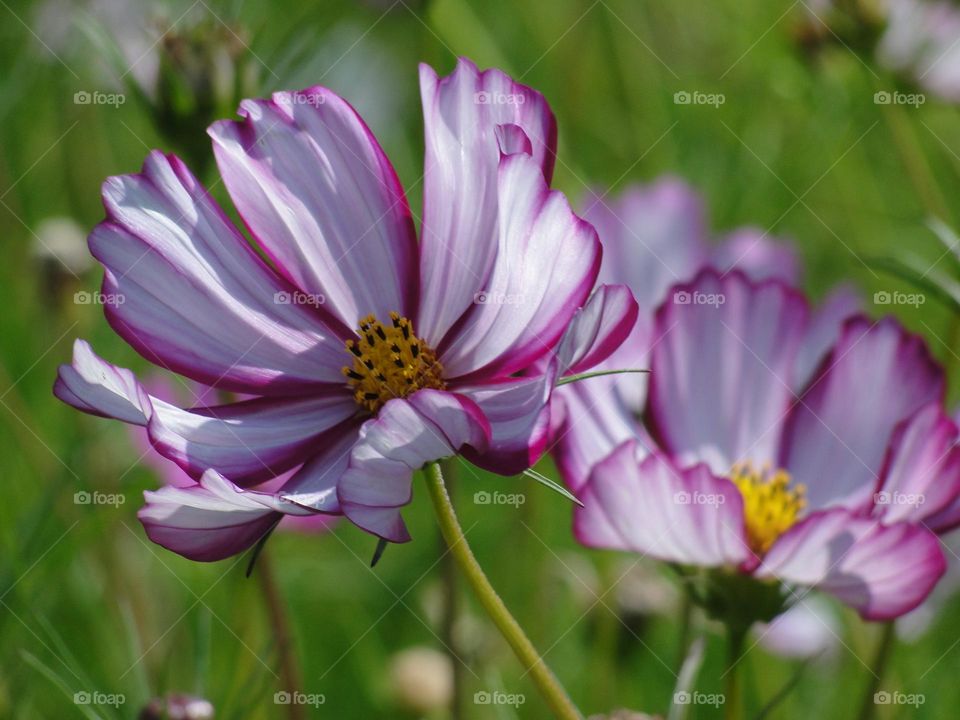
(798,148)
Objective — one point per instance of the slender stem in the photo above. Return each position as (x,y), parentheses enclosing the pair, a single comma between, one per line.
(733,703)
(868,706)
(451,611)
(546,682)
(603,680)
(683,641)
(915,163)
(290,677)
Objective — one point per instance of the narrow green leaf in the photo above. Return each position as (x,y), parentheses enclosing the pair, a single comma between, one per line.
(599,373)
(555,486)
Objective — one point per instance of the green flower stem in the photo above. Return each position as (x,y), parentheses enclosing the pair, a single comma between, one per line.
(733,703)
(546,682)
(290,675)
(451,608)
(868,706)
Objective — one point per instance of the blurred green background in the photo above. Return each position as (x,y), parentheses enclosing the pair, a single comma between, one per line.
(88,604)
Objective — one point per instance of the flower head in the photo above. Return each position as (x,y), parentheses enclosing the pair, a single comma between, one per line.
(365,353)
(771,476)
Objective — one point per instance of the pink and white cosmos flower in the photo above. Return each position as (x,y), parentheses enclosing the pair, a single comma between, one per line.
(367,352)
(655,236)
(763,468)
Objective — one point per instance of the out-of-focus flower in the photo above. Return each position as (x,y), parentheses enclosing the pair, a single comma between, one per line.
(61,240)
(914,38)
(369,354)
(920,41)
(643,590)
(808,629)
(421,680)
(654,237)
(177,707)
(769,476)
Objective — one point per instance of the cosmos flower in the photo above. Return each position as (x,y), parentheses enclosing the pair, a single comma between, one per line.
(655,236)
(367,352)
(763,471)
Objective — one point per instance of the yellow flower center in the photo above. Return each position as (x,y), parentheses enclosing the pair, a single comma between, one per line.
(390,361)
(770,505)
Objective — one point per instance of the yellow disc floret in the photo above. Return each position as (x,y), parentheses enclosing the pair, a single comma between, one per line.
(770,505)
(390,361)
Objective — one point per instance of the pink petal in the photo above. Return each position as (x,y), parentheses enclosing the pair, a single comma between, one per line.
(590,419)
(518,411)
(253,439)
(463,114)
(405,435)
(883,571)
(209,521)
(753,252)
(184,288)
(809,629)
(545,268)
(921,476)
(837,435)
(597,329)
(824,330)
(321,198)
(721,368)
(216,518)
(654,508)
(95,386)
(653,236)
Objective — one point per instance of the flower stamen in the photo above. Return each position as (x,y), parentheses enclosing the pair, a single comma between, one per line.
(770,505)
(390,361)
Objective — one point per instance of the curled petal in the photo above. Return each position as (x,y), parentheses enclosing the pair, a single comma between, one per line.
(470,118)
(597,329)
(209,521)
(253,440)
(883,571)
(406,434)
(921,477)
(518,411)
(545,268)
